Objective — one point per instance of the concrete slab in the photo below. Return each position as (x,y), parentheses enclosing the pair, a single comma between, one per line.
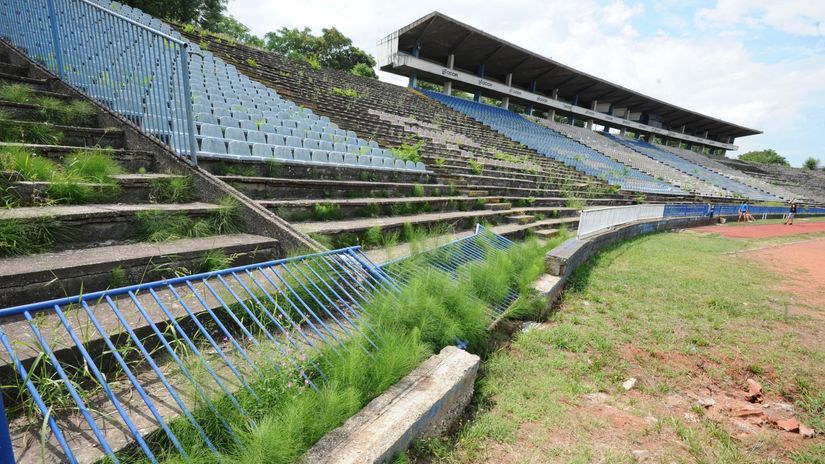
(423,404)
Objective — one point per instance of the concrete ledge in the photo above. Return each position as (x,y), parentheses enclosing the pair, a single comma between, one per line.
(423,404)
(565,258)
(561,261)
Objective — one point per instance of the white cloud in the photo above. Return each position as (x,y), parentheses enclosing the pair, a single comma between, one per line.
(796,17)
(709,71)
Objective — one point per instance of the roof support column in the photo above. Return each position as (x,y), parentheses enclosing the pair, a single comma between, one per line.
(505,102)
(448,86)
(478,95)
(530,105)
(416,51)
(573,115)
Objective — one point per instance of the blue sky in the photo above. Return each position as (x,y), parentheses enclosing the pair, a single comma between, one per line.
(759,63)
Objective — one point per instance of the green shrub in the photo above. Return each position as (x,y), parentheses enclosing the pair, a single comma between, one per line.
(94,166)
(17,93)
(349,93)
(408,152)
(418,190)
(475,166)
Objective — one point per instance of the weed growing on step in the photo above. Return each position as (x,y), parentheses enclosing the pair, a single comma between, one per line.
(418,190)
(17,93)
(27,237)
(408,152)
(475,166)
(161,226)
(349,93)
(16,132)
(93,166)
(213,260)
(327,211)
(172,190)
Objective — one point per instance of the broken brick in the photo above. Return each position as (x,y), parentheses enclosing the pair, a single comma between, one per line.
(754,394)
(788,425)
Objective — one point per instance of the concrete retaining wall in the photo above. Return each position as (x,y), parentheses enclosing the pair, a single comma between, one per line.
(561,261)
(423,404)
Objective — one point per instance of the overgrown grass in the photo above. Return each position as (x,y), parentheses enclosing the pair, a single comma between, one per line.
(172,190)
(432,311)
(27,237)
(655,308)
(161,226)
(52,110)
(84,178)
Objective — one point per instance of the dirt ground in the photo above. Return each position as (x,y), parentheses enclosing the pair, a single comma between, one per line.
(757,230)
(685,404)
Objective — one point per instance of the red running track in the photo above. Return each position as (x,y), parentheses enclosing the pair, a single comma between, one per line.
(756,230)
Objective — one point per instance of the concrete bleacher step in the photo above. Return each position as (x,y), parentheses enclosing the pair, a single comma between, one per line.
(520,218)
(25,279)
(302,210)
(98,225)
(131,188)
(459,220)
(270,188)
(10,78)
(13,69)
(498,206)
(76,136)
(131,160)
(475,193)
(546,233)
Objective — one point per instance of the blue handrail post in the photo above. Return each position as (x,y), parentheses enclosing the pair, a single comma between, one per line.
(58,49)
(187,102)
(6,450)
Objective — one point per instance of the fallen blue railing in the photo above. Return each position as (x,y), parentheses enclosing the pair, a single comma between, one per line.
(231,323)
(153,352)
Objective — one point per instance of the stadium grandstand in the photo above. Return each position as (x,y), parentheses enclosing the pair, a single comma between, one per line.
(176,202)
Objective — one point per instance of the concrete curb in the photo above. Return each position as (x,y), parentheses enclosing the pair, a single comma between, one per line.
(423,404)
(561,261)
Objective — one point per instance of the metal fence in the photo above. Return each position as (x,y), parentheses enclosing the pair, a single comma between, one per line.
(452,256)
(129,67)
(105,369)
(123,368)
(596,219)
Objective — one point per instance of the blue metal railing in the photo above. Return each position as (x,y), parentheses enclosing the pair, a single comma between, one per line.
(697,209)
(451,257)
(153,354)
(173,344)
(136,71)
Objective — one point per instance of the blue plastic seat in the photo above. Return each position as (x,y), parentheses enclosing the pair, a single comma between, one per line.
(211,130)
(301,155)
(255,136)
(283,153)
(319,156)
(238,148)
(213,146)
(261,149)
(234,133)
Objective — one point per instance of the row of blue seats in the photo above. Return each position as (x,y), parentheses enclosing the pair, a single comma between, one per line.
(235,149)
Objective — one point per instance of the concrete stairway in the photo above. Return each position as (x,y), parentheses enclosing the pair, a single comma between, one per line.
(98,239)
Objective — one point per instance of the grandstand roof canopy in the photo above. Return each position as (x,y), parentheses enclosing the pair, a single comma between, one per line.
(440,36)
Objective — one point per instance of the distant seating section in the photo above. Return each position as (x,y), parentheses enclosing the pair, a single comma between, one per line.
(559,147)
(634,159)
(701,172)
(734,174)
(237,118)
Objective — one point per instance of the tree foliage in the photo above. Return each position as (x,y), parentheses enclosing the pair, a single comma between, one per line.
(331,49)
(203,13)
(811,163)
(238,31)
(768,156)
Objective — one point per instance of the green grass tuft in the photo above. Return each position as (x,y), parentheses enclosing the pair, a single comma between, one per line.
(17,93)
(27,237)
(172,190)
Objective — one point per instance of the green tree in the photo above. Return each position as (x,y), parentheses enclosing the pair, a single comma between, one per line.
(428,86)
(331,49)
(238,31)
(768,156)
(811,163)
(206,14)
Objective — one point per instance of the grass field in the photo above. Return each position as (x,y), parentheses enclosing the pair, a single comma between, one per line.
(691,317)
